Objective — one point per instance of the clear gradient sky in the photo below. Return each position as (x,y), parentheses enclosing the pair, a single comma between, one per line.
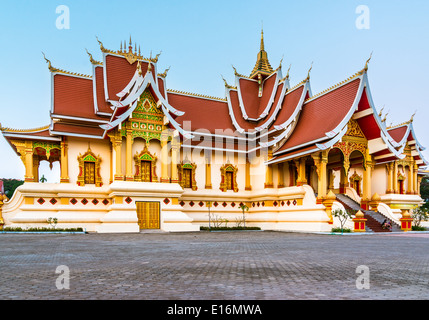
(200,40)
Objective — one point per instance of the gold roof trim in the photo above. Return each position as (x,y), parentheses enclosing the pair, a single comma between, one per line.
(335,86)
(196,95)
(129,55)
(5,129)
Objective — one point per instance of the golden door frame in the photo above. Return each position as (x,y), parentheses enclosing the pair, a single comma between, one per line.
(187,165)
(145,155)
(89,156)
(223,171)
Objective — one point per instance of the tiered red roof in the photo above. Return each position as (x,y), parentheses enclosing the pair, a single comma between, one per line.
(261,106)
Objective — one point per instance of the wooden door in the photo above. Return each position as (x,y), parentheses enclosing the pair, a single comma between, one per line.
(148,214)
(187,178)
(146,171)
(89,172)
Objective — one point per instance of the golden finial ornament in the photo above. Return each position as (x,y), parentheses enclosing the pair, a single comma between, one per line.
(309,70)
(367,61)
(102,48)
(49,63)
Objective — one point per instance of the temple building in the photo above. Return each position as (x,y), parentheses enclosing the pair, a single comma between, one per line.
(135,155)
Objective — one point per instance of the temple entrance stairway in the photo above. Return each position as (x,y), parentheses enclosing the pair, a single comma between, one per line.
(374,219)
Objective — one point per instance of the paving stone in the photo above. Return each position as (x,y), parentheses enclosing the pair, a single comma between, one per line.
(214,266)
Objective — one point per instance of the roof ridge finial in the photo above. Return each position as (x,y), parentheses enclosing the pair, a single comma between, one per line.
(309,70)
(412,117)
(49,63)
(367,61)
(262,37)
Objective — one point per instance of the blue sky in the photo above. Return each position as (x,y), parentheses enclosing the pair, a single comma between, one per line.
(200,40)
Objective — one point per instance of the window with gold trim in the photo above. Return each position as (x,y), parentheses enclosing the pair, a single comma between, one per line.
(228,178)
(145,164)
(89,169)
(186,170)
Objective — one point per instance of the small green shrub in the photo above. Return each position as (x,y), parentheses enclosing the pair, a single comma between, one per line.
(339,230)
(42,229)
(418,228)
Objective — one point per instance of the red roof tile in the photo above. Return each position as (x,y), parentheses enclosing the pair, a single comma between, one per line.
(73,97)
(322,114)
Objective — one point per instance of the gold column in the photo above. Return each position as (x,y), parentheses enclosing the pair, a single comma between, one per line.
(29,175)
(248,185)
(320,162)
(64,162)
(416,169)
(129,157)
(164,160)
(300,164)
(410,179)
(419,180)
(281,174)
(208,170)
(269,172)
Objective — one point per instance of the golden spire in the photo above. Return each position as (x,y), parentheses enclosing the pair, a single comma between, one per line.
(262,65)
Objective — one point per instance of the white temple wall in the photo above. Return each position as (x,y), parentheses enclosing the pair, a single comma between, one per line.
(379,180)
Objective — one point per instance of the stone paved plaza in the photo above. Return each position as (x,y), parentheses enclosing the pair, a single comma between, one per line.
(240,265)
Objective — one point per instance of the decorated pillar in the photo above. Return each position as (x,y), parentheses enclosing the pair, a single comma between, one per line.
(301,180)
(419,181)
(128,156)
(164,160)
(395,178)
(366,194)
(344,176)
(410,179)
(29,174)
(389,168)
(64,162)
(320,162)
(116,140)
(415,179)
(175,149)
